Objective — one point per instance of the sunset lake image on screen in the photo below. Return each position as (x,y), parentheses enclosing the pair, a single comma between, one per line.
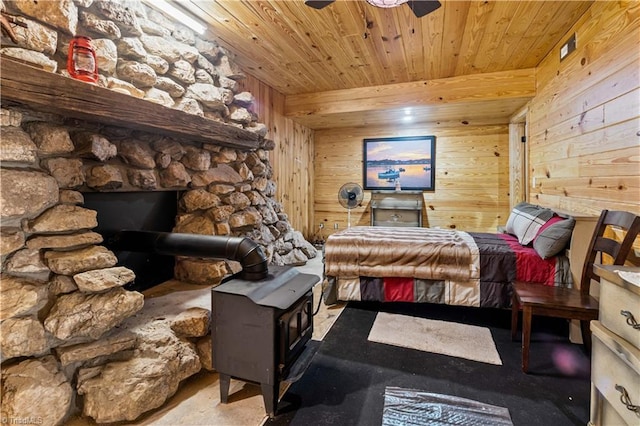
(408,161)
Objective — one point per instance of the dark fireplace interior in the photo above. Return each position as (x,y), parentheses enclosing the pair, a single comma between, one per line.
(141,211)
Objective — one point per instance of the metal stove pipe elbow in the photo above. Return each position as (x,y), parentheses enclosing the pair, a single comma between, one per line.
(241,249)
(252,259)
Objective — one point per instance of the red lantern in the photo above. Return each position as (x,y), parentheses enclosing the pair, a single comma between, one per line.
(82,63)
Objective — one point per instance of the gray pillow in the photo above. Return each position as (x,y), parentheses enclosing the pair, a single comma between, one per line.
(553,239)
(526,220)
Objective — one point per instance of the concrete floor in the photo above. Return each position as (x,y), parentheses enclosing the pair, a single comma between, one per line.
(197,401)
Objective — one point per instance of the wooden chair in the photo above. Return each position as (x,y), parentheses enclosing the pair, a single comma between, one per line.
(572,303)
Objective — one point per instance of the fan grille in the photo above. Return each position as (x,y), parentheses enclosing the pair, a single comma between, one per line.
(350,195)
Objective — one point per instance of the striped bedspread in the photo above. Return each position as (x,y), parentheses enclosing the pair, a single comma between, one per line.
(398,252)
(433,265)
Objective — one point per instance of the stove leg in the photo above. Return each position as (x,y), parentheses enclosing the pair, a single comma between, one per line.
(225,380)
(270,397)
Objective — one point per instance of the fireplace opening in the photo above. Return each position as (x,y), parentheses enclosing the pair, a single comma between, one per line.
(145,211)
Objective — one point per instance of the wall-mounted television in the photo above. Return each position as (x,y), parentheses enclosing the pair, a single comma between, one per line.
(409,162)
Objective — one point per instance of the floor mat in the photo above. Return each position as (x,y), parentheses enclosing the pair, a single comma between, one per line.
(443,337)
(346,381)
(411,407)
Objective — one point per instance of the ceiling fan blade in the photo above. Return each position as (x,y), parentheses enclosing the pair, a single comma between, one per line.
(424,7)
(318,4)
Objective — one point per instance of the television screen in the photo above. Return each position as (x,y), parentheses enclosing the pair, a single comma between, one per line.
(403,162)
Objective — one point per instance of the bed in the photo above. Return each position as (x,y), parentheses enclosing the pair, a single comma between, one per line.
(407,264)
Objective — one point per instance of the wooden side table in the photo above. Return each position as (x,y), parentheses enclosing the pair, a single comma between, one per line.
(396,208)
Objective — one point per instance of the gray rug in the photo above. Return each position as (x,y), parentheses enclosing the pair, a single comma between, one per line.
(443,337)
(411,407)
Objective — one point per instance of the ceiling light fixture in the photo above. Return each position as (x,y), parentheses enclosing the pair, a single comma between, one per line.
(176,14)
(386,3)
(418,7)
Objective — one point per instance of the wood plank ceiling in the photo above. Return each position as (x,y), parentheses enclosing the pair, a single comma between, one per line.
(350,44)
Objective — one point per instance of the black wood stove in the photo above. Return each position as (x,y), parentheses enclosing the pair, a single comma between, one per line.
(259,329)
(262,318)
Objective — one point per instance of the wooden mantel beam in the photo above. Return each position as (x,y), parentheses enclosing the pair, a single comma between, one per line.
(469,88)
(50,92)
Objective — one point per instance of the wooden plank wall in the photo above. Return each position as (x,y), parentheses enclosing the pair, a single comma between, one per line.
(583,142)
(472,176)
(584,123)
(292,157)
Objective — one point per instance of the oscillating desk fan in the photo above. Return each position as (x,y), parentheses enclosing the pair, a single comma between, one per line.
(350,196)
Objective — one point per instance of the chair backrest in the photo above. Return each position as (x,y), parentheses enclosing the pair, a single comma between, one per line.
(618,250)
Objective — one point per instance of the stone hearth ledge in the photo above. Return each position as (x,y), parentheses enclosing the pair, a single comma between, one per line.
(197,400)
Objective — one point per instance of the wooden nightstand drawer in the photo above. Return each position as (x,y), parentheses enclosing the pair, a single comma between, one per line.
(619,309)
(616,371)
(606,415)
(396,217)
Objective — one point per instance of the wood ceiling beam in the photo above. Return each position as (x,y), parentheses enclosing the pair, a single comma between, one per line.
(469,88)
(478,113)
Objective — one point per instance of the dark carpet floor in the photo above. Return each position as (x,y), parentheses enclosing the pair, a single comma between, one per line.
(346,380)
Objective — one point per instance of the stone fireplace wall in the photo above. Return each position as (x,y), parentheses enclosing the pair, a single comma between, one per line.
(62,290)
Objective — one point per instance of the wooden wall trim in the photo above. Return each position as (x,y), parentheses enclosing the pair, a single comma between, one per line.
(520,116)
(517,164)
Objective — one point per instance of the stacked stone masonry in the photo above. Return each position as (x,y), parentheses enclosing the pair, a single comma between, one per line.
(63,300)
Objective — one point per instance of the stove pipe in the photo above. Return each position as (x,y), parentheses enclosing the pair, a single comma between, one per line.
(240,249)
